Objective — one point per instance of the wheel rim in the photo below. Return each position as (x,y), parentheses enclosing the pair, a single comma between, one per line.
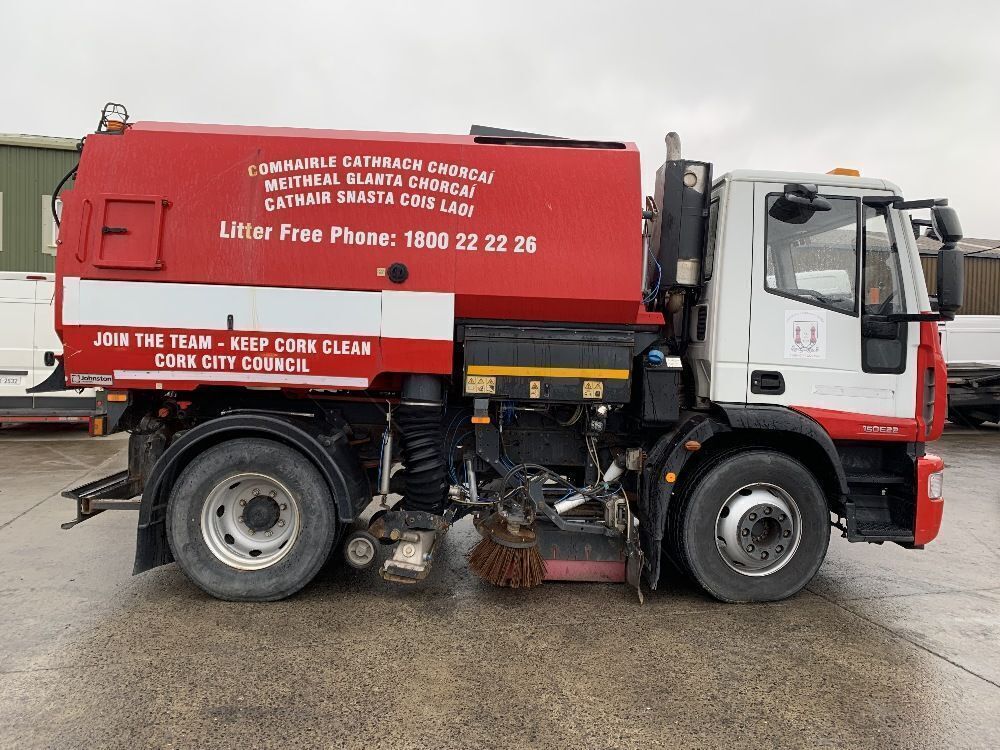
(758,529)
(250,521)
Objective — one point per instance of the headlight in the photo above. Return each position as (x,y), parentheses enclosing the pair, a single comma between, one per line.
(935,485)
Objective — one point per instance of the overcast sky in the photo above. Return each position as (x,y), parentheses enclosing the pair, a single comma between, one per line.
(909,91)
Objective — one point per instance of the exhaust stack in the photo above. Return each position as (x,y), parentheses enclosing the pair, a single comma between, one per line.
(679,226)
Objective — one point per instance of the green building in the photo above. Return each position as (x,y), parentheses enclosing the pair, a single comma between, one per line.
(30,168)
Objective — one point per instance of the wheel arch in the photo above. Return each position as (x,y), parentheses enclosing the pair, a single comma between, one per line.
(736,429)
(787,431)
(330,454)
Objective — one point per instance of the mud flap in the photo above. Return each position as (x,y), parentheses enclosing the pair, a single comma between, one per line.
(56,381)
(633,567)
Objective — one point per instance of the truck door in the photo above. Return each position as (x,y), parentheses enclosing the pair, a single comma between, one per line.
(43,331)
(823,283)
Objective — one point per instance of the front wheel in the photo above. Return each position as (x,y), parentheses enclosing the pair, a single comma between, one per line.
(755,527)
(251,520)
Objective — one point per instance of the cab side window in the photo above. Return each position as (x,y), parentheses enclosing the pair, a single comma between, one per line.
(883,278)
(812,256)
(883,340)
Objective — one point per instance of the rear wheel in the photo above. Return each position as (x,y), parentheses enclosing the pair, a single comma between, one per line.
(755,527)
(251,520)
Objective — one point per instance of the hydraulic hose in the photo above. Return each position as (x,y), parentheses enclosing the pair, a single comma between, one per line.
(55,193)
(418,420)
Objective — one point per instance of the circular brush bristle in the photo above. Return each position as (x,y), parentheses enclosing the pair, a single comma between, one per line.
(516,568)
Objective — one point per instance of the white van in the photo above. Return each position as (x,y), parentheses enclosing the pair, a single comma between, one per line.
(28,346)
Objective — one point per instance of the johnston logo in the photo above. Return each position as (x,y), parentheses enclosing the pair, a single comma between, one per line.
(80,378)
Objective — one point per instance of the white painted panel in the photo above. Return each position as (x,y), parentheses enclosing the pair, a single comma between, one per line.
(971,341)
(71,301)
(321,311)
(266,309)
(138,304)
(45,325)
(418,315)
(161,305)
(729,297)
(17,287)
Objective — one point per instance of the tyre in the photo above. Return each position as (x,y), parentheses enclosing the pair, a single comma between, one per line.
(754,527)
(251,520)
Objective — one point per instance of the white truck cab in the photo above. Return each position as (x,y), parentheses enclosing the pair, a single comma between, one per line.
(798,333)
(813,301)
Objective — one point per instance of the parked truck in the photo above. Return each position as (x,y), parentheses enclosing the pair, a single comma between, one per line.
(971,345)
(295,325)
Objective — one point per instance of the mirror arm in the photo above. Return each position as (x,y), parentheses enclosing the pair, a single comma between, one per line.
(902,205)
(917,317)
(881,201)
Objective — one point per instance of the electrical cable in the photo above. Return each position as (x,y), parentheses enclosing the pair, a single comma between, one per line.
(652,294)
(385,438)
(55,193)
(593,455)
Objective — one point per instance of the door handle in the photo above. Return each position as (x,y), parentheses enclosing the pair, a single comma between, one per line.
(767,382)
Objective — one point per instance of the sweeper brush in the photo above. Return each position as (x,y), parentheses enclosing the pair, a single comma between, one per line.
(507,555)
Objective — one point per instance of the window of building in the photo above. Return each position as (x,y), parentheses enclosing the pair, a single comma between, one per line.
(812,256)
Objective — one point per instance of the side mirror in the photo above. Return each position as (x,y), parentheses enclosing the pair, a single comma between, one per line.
(814,203)
(944,220)
(798,204)
(950,280)
(806,196)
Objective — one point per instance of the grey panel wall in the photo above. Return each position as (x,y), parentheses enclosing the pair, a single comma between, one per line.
(982,283)
(26,174)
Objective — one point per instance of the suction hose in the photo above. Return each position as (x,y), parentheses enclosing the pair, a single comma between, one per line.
(418,420)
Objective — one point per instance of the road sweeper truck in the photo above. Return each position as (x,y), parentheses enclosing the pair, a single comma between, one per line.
(294,325)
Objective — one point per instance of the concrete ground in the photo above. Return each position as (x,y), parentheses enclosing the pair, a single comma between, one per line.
(886,648)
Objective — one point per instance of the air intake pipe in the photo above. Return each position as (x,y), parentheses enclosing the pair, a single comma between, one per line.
(418,421)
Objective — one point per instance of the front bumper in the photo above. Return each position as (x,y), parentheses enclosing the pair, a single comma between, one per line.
(929,509)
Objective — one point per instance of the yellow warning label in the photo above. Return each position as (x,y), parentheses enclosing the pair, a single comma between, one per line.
(593,389)
(535,389)
(480,384)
